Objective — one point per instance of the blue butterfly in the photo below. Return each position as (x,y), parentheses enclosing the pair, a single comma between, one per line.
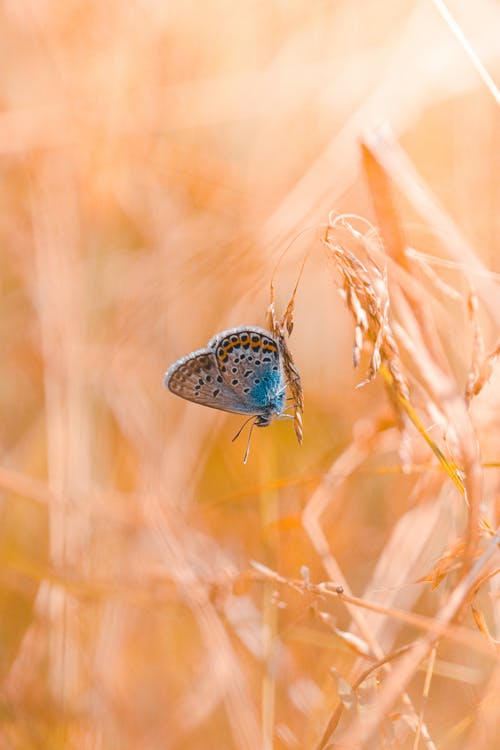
(240,371)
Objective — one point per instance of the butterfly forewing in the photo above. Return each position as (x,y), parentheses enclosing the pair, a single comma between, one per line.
(197,378)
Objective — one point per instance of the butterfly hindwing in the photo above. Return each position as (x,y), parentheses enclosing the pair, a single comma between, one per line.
(249,362)
(197,378)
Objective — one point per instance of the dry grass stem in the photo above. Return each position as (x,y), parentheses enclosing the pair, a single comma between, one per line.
(163,166)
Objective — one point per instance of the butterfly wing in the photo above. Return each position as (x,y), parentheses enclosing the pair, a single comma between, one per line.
(197,378)
(248,359)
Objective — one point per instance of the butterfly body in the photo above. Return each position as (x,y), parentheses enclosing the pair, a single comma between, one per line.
(240,371)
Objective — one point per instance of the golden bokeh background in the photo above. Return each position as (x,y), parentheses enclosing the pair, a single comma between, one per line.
(157,158)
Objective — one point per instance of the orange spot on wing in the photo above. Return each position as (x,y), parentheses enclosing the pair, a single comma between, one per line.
(232,344)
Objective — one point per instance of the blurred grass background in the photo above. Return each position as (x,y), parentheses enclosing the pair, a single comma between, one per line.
(156,160)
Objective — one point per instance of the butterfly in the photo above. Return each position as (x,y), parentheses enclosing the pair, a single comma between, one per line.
(240,371)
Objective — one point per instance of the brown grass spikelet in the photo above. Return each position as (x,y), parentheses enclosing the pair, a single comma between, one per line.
(282,329)
(366,293)
(450,560)
(481,363)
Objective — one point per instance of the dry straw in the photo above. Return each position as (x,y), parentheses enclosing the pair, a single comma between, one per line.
(395,322)
(156,157)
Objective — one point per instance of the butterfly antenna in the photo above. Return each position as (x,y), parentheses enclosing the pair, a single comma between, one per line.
(245,459)
(242,428)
